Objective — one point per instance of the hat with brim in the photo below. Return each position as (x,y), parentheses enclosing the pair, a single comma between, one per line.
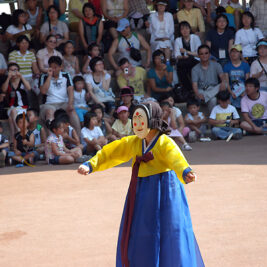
(263,42)
(126,91)
(161,3)
(237,47)
(123,24)
(122,108)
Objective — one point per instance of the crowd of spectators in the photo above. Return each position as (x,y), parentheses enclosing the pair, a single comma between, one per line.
(71,78)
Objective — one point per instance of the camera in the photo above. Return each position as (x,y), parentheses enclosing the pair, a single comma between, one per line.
(126,71)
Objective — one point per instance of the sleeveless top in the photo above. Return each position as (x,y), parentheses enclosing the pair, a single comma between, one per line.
(17,97)
(32,18)
(90,31)
(79,99)
(37,134)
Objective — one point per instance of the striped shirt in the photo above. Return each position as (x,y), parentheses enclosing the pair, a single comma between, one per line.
(24,62)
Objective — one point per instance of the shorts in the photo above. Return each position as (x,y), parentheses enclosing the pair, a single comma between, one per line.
(81,112)
(54,161)
(259,122)
(52,106)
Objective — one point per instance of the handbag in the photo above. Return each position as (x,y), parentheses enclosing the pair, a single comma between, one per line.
(134,53)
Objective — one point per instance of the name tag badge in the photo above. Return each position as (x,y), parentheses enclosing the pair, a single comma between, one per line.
(222,53)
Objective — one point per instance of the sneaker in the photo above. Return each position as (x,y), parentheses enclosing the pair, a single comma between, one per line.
(204,139)
(192,137)
(186,147)
(2,160)
(237,136)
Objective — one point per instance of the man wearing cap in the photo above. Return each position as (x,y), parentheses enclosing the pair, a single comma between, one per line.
(258,67)
(236,72)
(134,40)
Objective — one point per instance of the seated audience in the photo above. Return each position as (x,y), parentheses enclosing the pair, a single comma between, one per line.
(220,39)
(236,71)
(113,11)
(58,88)
(195,120)
(23,142)
(134,77)
(98,84)
(92,136)
(160,76)
(223,118)
(185,52)
(248,36)
(90,27)
(168,114)
(93,51)
(61,5)
(44,54)
(70,61)
(81,97)
(205,80)
(55,27)
(161,28)
(55,150)
(15,88)
(18,27)
(254,108)
(258,67)
(38,131)
(123,125)
(24,58)
(4,145)
(128,39)
(127,99)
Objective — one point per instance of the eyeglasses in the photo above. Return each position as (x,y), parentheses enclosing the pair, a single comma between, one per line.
(206,53)
(13,69)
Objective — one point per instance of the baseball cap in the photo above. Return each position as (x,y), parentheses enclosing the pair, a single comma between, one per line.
(122,24)
(126,91)
(238,47)
(261,42)
(122,108)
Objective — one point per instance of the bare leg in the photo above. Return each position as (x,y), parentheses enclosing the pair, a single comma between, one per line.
(66,159)
(12,123)
(246,126)
(113,33)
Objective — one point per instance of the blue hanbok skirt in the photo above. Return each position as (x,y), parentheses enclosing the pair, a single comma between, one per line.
(161,233)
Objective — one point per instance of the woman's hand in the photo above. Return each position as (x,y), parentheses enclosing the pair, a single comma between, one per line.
(83,170)
(190,177)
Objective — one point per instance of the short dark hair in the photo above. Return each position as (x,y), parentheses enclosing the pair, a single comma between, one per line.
(55,59)
(202,47)
(87,118)
(97,106)
(223,95)
(220,10)
(53,7)
(54,124)
(13,64)
(20,117)
(122,61)
(165,103)
(183,24)
(93,62)
(248,14)
(157,53)
(77,78)
(21,38)
(15,16)
(35,111)
(64,46)
(253,81)
(221,16)
(88,5)
(192,102)
(60,112)
(91,46)
(49,36)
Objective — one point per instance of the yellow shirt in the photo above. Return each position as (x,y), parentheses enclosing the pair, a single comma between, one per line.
(125,129)
(167,156)
(75,4)
(137,81)
(193,17)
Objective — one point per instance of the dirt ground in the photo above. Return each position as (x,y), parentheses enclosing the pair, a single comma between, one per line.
(51,216)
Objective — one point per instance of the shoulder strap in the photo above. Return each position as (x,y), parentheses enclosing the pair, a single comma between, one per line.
(262,67)
(127,41)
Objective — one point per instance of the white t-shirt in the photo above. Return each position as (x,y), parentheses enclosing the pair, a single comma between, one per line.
(177,112)
(12,29)
(219,113)
(256,68)
(248,39)
(91,134)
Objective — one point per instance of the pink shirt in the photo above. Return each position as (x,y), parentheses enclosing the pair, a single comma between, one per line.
(256,109)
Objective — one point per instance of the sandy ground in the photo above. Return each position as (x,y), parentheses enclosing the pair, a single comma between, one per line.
(51,216)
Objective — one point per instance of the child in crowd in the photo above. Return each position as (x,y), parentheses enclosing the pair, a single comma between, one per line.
(93,51)
(127,99)
(169,116)
(254,108)
(38,131)
(15,87)
(23,142)
(70,137)
(103,123)
(4,144)
(223,117)
(55,151)
(81,97)
(196,121)
(92,136)
(70,62)
(178,116)
(34,14)
(123,125)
